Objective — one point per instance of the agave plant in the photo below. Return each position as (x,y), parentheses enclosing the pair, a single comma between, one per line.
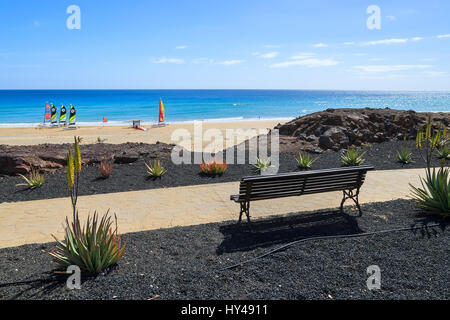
(213,168)
(262,164)
(93,247)
(352,157)
(404,156)
(304,160)
(434,195)
(36,180)
(155,170)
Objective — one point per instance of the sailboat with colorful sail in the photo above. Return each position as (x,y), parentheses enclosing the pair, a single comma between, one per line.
(72,118)
(47,114)
(161,118)
(62,115)
(53,113)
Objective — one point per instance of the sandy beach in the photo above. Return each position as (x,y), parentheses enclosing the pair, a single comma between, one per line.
(123,134)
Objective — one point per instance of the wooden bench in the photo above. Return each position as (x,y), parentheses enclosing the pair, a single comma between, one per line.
(348,180)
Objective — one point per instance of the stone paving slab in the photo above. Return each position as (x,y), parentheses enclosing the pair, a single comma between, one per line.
(34,221)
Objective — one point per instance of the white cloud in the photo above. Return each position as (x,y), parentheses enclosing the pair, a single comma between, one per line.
(269,55)
(385,41)
(202,61)
(230,62)
(167,60)
(434,73)
(391,18)
(390,68)
(416,39)
(181,47)
(307,62)
(427,59)
(441,36)
(256,53)
(320,45)
(303,55)
(349,43)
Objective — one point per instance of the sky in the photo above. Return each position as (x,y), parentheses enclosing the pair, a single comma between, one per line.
(225,44)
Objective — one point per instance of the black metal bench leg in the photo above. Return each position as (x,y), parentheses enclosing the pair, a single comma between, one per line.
(350,195)
(240,213)
(343,200)
(247,212)
(356,200)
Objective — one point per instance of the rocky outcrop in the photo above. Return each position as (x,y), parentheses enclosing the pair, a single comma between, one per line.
(338,128)
(47,157)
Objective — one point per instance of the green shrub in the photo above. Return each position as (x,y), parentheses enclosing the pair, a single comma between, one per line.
(155,170)
(93,248)
(404,156)
(304,160)
(352,157)
(36,180)
(262,164)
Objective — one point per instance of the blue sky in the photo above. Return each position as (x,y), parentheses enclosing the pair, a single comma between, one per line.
(218,44)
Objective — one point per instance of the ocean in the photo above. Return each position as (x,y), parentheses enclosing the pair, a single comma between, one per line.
(26,107)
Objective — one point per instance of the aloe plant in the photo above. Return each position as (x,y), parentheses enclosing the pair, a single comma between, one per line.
(444,152)
(404,156)
(305,161)
(353,157)
(95,246)
(213,168)
(434,195)
(35,180)
(155,170)
(262,164)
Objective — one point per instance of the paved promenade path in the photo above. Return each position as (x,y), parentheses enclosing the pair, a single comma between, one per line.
(34,221)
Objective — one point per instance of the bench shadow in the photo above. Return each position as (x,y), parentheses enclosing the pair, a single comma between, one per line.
(46,284)
(285,229)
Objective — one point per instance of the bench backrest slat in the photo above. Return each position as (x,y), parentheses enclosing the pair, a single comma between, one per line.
(295,184)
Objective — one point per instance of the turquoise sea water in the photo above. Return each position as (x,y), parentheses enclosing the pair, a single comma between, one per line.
(26,107)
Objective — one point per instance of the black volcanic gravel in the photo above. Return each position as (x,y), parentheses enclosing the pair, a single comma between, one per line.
(184,262)
(130,177)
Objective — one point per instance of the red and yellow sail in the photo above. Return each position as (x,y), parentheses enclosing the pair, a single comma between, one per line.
(161,111)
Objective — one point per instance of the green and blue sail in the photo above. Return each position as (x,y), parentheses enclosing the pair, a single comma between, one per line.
(62,114)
